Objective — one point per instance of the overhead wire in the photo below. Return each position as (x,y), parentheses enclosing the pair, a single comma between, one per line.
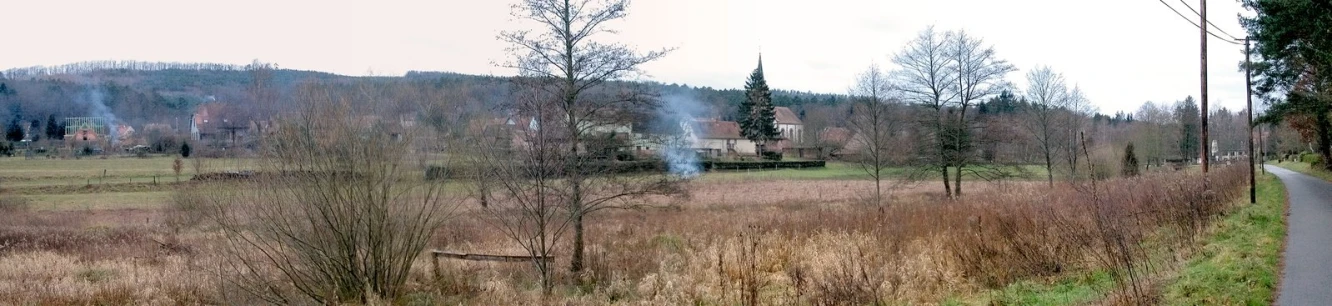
(1214,26)
(1195,24)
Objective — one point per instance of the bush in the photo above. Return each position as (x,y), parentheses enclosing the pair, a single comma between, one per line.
(1313,159)
(186,209)
(772,155)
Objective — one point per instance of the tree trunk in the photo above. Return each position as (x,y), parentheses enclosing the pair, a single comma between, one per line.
(1049,167)
(576,261)
(957,185)
(878,189)
(948,191)
(1325,138)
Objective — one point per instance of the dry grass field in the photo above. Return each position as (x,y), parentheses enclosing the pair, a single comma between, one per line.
(784,240)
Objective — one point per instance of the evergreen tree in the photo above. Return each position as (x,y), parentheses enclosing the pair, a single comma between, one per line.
(185,150)
(1130,165)
(756,114)
(14,132)
(1190,123)
(53,130)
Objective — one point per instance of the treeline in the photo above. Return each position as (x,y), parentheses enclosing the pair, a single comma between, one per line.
(94,66)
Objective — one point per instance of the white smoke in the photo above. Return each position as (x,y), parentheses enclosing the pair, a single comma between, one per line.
(677,116)
(97,108)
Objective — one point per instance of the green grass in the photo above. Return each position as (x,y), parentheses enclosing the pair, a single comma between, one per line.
(19,169)
(1239,263)
(1069,290)
(1306,169)
(100,201)
(96,183)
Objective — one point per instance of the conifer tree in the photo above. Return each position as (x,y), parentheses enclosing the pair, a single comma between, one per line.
(756,114)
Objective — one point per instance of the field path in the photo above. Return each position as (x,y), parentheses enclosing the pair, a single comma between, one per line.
(1307,275)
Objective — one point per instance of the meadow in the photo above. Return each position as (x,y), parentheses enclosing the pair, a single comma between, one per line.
(783,237)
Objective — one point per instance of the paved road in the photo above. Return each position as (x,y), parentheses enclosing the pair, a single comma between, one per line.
(1307,279)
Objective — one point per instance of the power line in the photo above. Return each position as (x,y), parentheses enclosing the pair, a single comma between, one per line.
(1195,24)
(1218,29)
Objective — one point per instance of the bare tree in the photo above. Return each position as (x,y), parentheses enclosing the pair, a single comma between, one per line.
(874,127)
(924,78)
(1049,98)
(979,75)
(946,74)
(519,182)
(334,213)
(565,65)
(1071,121)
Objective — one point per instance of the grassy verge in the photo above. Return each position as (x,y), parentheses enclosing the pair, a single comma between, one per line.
(1239,263)
(1306,169)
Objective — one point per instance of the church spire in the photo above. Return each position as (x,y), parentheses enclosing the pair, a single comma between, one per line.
(760,62)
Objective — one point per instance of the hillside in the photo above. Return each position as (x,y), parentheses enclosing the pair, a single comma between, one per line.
(143,92)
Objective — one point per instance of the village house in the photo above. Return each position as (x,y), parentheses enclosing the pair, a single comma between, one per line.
(789,127)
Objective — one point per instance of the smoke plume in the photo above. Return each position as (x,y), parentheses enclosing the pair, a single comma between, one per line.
(681,132)
(97,108)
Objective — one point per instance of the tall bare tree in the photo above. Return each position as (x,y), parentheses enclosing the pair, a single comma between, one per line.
(924,78)
(1072,121)
(874,127)
(563,63)
(1049,98)
(946,74)
(979,74)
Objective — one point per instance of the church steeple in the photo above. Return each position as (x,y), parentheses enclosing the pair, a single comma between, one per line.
(760,62)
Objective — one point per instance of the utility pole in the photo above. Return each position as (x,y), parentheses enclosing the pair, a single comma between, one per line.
(1206,146)
(1248,96)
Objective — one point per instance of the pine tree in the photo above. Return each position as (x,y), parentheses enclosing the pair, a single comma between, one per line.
(756,114)
(1130,165)
(53,130)
(14,132)
(185,150)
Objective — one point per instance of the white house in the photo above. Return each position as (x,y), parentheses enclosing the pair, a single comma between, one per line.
(788,125)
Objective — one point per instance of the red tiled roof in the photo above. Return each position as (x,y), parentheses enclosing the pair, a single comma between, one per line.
(784,115)
(715,129)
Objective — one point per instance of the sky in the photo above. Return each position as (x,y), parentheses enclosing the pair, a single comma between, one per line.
(1121,53)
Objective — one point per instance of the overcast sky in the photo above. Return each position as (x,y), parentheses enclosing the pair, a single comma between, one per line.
(1121,53)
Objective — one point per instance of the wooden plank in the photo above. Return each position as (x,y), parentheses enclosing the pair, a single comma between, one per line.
(485,257)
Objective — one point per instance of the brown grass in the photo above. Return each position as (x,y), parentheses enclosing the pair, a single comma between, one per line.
(744,242)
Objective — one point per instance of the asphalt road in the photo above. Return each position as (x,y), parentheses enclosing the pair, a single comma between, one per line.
(1307,277)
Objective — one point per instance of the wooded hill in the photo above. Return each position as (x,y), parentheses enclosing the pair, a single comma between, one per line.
(141,92)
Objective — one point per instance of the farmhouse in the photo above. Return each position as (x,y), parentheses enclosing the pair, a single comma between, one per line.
(718,138)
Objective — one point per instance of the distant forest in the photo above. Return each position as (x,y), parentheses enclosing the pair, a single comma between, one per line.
(140,93)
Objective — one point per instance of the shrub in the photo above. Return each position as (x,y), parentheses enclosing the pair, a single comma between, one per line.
(1130,165)
(772,155)
(186,209)
(1313,159)
(185,150)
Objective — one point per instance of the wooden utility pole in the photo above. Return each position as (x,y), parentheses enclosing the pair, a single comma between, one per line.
(1206,146)
(1248,96)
